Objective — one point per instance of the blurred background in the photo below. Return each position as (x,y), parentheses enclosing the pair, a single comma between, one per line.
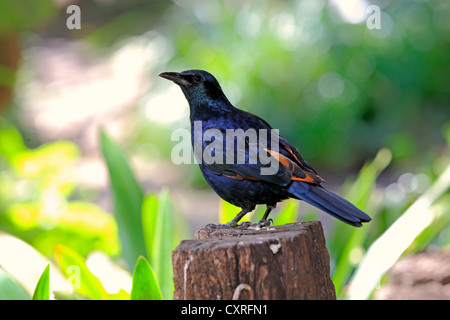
(368,108)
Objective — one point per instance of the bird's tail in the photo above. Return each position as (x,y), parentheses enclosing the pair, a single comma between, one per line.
(329,202)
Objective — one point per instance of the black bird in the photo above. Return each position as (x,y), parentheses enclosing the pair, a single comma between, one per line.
(237,176)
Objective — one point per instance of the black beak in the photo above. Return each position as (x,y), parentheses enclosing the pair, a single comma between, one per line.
(176,77)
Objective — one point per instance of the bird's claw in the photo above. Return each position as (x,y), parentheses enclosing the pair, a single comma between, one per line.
(243,225)
(230,224)
(264,223)
(258,225)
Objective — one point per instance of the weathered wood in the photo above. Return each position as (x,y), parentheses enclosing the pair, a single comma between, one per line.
(278,262)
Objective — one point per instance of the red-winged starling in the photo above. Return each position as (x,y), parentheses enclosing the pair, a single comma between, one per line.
(230,169)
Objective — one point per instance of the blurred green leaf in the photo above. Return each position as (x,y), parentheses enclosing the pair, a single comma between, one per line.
(227,212)
(163,230)
(42,290)
(64,295)
(446,132)
(159,230)
(120,295)
(441,221)
(128,199)
(149,215)
(163,244)
(347,248)
(403,144)
(11,141)
(7,76)
(145,286)
(81,225)
(22,15)
(83,280)
(54,157)
(288,212)
(10,289)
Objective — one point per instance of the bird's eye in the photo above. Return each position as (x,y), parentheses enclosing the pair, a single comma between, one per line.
(197,78)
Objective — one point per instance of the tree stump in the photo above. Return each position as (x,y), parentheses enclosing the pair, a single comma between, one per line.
(277,262)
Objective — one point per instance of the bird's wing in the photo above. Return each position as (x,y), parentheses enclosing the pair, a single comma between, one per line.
(281,165)
(295,155)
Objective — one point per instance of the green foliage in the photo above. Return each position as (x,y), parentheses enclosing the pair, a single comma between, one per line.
(387,248)
(148,223)
(437,228)
(227,212)
(22,15)
(145,286)
(10,289)
(128,198)
(82,279)
(35,190)
(345,250)
(161,238)
(153,230)
(160,235)
(86,285)
(288,212)
(42,290)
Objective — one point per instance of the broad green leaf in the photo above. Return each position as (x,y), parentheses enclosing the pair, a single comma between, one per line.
(128,198)
(42,290)
(10,289)
(440,223)
(163,230)
(149,214)
(83,281)
(359,194)
(160,239)
(145,286)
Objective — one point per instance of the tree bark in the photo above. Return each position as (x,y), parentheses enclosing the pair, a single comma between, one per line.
(277,262)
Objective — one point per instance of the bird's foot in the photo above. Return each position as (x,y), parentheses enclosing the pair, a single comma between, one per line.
(258,225)
(230,224)
(243,225)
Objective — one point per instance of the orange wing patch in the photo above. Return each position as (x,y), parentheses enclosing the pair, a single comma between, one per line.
(290,151)
(282,159)
(306,176)
(310,178)
(297,174)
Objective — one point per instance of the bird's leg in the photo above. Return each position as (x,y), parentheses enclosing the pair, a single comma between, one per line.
(239,216)
(264,222)
(233,223)
(261,223)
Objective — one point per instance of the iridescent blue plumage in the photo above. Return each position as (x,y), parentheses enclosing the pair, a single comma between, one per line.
(233,173)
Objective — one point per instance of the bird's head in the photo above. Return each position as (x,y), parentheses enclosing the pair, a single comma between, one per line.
(198,86)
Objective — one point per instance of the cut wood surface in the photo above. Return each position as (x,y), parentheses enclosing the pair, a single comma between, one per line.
(277,262)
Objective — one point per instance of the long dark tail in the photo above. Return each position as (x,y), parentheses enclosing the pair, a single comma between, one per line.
(329,202)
